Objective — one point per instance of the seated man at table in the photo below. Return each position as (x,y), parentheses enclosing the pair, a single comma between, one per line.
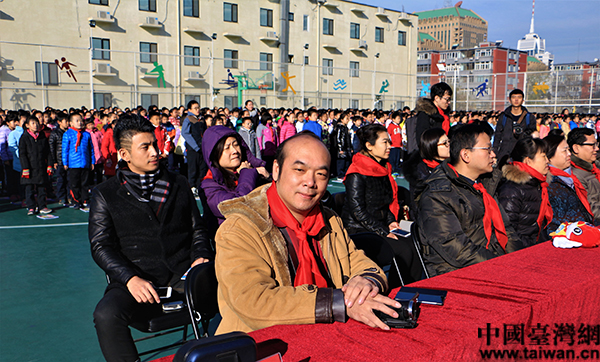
(459,222)
(282,258)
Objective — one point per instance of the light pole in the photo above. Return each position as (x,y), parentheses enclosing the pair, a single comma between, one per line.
(212,69)
(303,67)
(319,61)
(92,26)
(373,81)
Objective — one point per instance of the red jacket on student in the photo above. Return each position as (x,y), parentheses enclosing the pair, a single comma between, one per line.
(395,132)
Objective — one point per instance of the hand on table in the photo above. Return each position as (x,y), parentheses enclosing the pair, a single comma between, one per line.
(364,312)
(357,290)
(142,290)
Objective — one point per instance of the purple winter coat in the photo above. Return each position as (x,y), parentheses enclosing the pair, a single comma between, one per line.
(214,188)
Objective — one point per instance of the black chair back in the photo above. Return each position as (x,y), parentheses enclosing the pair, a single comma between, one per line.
(201,295)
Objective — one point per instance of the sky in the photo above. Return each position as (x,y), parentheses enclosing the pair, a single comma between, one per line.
(571,28)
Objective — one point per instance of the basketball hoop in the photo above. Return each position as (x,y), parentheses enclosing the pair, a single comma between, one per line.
(263,88)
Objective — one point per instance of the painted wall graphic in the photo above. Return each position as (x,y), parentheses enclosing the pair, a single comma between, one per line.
(424,89)
(340,84)
(66,66)
(287,77)
(160,71)
(384,85)
(230,81)
(481,90)
(20,99)
(542,88)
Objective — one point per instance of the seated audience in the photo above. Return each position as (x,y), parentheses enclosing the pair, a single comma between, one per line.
(567,195)
(282,258)
(233,169)
(584,149)
(524,195)
(371,202)
(459,222)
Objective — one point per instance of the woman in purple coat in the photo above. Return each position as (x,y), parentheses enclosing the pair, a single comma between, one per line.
(233,171)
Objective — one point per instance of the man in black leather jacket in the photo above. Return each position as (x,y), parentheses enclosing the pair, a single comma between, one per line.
(145,232)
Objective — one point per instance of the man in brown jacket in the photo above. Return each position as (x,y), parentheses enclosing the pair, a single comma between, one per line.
(584,149)
(282,258)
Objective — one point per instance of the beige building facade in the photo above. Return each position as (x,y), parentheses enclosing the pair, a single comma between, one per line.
(321,53)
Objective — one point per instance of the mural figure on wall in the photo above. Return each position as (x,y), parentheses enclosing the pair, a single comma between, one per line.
(424,89)
(287,78)
(339,84)
(20,99)
(482,89)
(384,85)
(160,71)
(66,66)
(230,81)
(543,88)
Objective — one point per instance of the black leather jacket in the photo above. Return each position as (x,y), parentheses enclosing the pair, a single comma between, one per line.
(367,204)
(128,239)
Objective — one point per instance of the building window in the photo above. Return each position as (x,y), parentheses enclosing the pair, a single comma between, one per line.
(354,69)
(327,26)
(231,102)
(266,61)
(326,103)
(148,52)
(100,48)
(190,97)
(354,31)
(98,2)
(230,12)
(290,16)
(46,73)
(190,8)
(305,23)
(402,38)
(102,100)
(327,66)
(378,35)
(305,60)
(354,104)
(266,17)
(147,5)
(231,57)
(192,55)
(149,100)
(263,101)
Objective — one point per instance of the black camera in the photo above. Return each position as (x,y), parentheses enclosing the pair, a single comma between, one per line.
(517,129)
(408,313)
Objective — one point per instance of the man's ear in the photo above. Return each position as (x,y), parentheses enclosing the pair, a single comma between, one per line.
(275,171)
(124,154)
(575,149)
(465,156)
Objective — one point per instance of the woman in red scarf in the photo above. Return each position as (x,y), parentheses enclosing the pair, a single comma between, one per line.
(371,202)
(524,194)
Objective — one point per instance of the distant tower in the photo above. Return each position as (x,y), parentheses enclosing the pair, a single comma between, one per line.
(534,45)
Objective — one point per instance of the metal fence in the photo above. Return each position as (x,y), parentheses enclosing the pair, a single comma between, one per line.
(37,75)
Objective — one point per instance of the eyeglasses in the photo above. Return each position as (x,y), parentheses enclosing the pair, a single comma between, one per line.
(445,143)
(447,99)
(595,144)
(488,149)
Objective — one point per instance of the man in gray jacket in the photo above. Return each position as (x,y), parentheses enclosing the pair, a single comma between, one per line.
(584,149)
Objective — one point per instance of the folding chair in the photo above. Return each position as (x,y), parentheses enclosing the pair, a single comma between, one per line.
(201,296)
(378,250)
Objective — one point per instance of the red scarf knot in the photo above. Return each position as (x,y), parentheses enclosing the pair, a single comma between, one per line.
(79,135)
(446,123)
(307,271)
(492,217)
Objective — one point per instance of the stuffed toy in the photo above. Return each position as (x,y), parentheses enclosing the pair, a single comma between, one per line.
(576,234)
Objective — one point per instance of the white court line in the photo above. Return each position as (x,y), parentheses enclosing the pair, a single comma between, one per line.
(42,226)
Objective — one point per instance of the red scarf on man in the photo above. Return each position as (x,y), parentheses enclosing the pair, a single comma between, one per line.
(446,123)
(594,169)
(579,189)
(307,270)
(545,207)
(367,166)
(491,217)
(79,135)
(431,163)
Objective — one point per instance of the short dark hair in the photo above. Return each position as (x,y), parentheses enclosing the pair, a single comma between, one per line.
(73,115)
(516,91)
(370,134)
(248,101)
(552,142)
(557,132)
(281,153)
(153,113)
(577,136)
(128,126)
(528,147)
(311,111)
(191,104)
(439,89)
(428,144)
(464,137)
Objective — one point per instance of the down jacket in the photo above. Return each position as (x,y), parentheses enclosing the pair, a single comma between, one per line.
(590,183)
(566,206)
(35,156)
(450,224)
(84,156)
(428,116)
(256,289)
(55,141)
(521,198)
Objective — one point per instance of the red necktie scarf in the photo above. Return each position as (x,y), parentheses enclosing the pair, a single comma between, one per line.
(492,216)
(79,134)
(33,134)
(308,270)
(594,170)
(545,207)
(431,163)
(446,123)
(579,189)
(367,166)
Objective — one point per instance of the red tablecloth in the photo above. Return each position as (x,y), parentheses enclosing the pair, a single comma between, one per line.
(540,284)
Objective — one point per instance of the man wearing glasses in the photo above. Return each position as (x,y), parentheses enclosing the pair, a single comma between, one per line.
(433,113)
(584,148)
(460,223)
